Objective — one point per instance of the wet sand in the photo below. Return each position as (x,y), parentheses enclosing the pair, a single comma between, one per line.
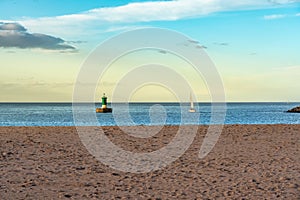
(248,162)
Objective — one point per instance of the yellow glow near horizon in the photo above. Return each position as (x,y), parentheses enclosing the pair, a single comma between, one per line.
(123,66)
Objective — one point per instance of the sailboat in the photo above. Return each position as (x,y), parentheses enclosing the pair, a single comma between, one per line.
(192,109)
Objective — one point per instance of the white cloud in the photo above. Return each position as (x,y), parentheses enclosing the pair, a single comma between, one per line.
(277,16)
(145,12)
(165,10)
(280,16)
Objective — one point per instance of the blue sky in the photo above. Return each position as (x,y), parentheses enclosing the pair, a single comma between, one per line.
(255,44)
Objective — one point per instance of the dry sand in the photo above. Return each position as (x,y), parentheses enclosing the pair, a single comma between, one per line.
(248,162)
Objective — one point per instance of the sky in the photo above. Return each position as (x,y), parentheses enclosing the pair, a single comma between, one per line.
(254,45)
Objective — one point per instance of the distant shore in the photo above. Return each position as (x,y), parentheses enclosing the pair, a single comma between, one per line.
(249,161)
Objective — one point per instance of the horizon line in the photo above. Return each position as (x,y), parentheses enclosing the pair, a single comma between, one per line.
(287,102)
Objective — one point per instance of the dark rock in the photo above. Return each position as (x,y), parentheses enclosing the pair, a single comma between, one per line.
(68,195)
(294,110)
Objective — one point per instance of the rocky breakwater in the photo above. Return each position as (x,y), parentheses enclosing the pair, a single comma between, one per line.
(294,110)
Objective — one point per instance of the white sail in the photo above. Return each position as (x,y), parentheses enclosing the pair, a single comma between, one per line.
(192,104)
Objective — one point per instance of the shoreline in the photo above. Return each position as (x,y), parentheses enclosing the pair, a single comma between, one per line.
(167,125)
(248,161)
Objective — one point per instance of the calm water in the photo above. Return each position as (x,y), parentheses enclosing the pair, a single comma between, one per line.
(60,114)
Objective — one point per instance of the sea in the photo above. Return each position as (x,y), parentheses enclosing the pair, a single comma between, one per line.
(61,114)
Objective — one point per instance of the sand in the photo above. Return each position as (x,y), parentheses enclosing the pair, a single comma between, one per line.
(248,162)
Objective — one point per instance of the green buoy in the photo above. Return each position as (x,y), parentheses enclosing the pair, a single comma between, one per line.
(104,108)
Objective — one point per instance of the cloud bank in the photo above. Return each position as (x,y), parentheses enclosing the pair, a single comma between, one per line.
(164,10)
(15,35)
(141,12)
(86,23)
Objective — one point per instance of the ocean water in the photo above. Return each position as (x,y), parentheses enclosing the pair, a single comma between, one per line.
(61,114)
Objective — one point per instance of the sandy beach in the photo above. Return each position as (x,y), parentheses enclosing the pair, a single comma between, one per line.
(248,162)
